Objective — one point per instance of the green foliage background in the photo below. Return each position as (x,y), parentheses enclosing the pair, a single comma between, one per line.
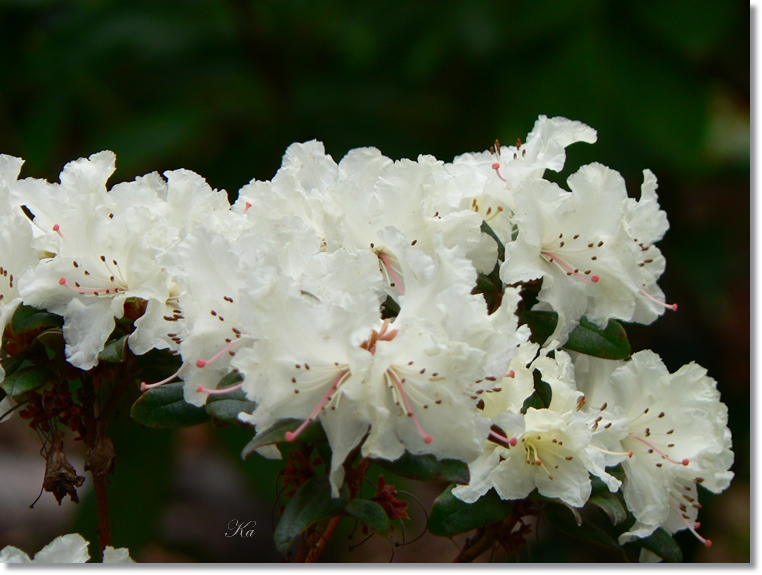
(223,86)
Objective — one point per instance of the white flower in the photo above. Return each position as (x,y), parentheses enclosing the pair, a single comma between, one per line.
(299,188)
(578,244)
(71,548)
(486,182)
(678,436)
(16,252)
(83,181)
(410,384)
(543,449)
(103,260)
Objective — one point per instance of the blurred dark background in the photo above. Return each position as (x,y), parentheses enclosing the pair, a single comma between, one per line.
(222,87)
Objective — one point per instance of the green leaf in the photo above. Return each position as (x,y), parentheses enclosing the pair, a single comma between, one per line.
(451,516)
(277,434)
(311,503)
(611,505)
(662,544)
(567,520)
(608,343)
(227,407)
(115,351)
(542,323)
(52,339)
(165,407)
(26,379)
(427,468)
(487,229)
(27,318)
(11,364)
(370,514)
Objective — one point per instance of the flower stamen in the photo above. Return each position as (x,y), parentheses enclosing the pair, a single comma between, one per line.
(90,291)
(204,362)
(704,541)
(291,436)
(231,389)
(570,271)
(685,461)
(144,386)
(390,269)
(410,413)
(672,306)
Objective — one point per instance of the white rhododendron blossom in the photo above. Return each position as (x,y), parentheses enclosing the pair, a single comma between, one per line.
(672,436)
(71,548)
(415,307)
(577,242)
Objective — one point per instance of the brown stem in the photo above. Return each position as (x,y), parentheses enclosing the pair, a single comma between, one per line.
(101,497)
(485,539)
(100,457)
(475,547)
(320,545)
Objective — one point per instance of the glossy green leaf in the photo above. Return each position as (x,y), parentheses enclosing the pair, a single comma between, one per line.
(27,318)
(611,505)
(542,323)
(226,407)
(662,544)
(311,503)
(370,514)
(608,343)
(115,351)
(451,516)
(164,407)
(277,434)
(565,519)
(427,468)
(26,379)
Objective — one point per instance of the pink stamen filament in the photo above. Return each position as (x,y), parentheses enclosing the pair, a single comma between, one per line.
(496,167)
(672,306)
(57,229)
(89,291)
(593,279)
(501,439)
(144,386)
(231,389)
(510,374)
(392,272)
(328,394)
(246,209)
(685,461)
(216,356)
(426,437)
(706,542)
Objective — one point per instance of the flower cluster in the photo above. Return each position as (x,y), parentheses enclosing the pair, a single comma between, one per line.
(345,293)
